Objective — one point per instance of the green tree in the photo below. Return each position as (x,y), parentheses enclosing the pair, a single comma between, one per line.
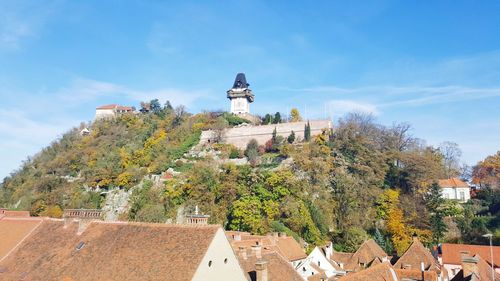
(246,215)
(268,119)
(307,132)
(379,238)
(435,203)
(291,138)
(277,118)
(154,106)
(252,151)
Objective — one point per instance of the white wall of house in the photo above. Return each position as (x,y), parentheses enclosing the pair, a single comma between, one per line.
(220,262)
(316,257)
(459,193)
(104,113)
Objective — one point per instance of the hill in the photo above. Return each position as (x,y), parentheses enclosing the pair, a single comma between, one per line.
(362,179)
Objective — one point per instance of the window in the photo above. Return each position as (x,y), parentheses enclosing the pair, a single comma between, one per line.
(209,263)
(225,260)
(319,263)
(462,195)
(446,196)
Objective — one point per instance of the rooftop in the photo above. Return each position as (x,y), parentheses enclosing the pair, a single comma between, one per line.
(452,253)
(109,251)
(453,183)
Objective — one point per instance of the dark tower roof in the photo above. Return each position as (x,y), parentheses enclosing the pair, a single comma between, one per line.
(240,82)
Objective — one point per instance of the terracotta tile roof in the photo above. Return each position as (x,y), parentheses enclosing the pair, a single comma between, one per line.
(284,245)
(340,257)
(451,253)
(290,249)
(110,251)
(453,182)
(13,231)
(380,272)
(415,274)
(483,272)
(366,254)
(116,106)
(415,255)
(9,213)
(108,106)
(278,268)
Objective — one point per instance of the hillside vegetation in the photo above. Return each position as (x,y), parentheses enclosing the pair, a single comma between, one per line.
(361,180)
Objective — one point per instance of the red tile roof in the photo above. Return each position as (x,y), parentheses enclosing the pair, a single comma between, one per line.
(380,272)
(108,106)
(284,245)
(453,183)
(415,255)
(482,272)
(278,267)
(451,253)
(109,251)
(13,231)
(415,274)
(366,254)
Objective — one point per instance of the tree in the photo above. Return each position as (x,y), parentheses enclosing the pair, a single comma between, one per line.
(307,132)
(295,115)
(291,138)
(268,119)
(252,151)
(435,203)
(168,106)
(379,238)
(451,158)
(487,172)
(277,118)
(154,106)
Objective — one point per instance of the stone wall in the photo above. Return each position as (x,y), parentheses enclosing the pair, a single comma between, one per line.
(240,136)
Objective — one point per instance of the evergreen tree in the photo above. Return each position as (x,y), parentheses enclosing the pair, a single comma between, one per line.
(307,132)
(291,137)
(277,118)
(154,106)
(379,238)
(434,202)
(268,119)
(168,106)
(274,135)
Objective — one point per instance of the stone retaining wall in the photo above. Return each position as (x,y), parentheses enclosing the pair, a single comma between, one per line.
(240,136)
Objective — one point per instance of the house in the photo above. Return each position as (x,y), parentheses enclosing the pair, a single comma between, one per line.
(121,251)
(475,268)
(417,257)
(111,111)
(451,256)
(368,254)
(455,189)
(281,243)
(318,265)
(266,265)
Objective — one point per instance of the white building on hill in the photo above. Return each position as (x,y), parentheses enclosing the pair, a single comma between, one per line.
(455,189)
(111,111)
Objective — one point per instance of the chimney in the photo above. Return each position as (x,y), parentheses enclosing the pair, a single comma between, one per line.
(329,250)
(243,252)
(261,270)
(257,251)
(415,237)
(406,266)
(237,236)
(469,265)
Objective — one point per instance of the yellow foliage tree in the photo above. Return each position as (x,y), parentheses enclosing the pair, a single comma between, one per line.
(295,115)
(390,210)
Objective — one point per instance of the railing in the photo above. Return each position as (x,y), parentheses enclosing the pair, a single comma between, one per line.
(83,213)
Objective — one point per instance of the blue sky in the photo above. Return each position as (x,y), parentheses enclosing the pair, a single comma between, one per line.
(434,64)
